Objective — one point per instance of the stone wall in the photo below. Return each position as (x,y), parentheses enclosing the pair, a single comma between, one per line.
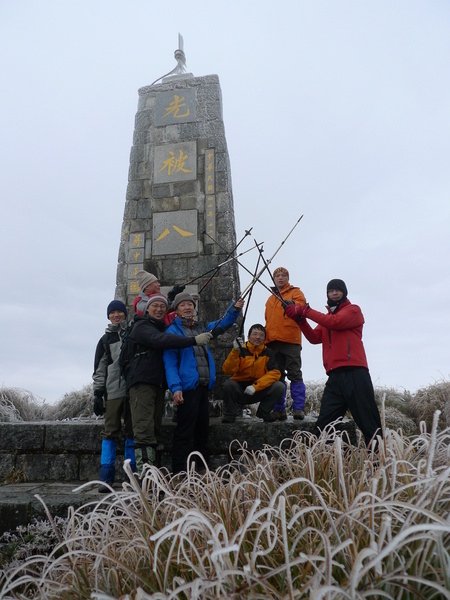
(70,451)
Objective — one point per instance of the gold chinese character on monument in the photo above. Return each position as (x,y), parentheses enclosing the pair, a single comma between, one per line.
(175,107)
(181,232)
(137,239)
(175,164)
(133,287)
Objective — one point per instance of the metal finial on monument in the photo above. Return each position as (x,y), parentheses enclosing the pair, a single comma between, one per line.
(180,57)
(179,72)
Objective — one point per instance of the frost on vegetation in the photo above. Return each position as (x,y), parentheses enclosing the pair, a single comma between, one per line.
(20,405)
(313,518)
(402,409)
(39,537)
(428,400)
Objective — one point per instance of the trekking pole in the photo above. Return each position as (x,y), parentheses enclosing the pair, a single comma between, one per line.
(217,330)
(241,328)
(229,254)
(220,265)
(267,263)
(277,294)
(248,270)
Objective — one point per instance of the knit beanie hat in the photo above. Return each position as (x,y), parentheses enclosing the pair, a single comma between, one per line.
(337,284)
(156,298)
(144,278)
(281,270)
(181,297)
(116,305)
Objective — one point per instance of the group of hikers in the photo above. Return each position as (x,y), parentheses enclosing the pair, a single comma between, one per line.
(165,347)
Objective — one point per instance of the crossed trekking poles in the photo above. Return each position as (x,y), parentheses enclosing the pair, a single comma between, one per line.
(256,275)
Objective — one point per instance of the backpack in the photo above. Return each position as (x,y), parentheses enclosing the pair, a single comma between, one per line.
(128,350)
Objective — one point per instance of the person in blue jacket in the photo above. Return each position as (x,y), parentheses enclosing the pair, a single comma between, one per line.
(190,374)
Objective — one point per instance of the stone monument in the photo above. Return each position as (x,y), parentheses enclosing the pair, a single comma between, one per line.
(179,216)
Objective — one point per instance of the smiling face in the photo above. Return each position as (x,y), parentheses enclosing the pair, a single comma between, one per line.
(256,336)
(116,317)
(157,310)
(186,309)
(152,288)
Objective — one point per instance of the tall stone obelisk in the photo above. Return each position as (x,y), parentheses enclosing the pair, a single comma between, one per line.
(179,217)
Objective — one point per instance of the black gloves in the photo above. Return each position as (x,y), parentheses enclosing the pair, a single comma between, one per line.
(174,291)
(99,405)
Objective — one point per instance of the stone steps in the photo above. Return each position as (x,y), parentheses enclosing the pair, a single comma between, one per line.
(51,459)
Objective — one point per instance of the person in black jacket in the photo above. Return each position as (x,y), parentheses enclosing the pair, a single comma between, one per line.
(145,375)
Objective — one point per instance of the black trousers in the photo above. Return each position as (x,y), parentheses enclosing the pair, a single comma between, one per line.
(234,398)
(350,389)
(191,431)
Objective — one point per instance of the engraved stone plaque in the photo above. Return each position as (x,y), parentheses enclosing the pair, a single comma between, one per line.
(175,232)
(175,106)
(210,218)
(175,162)
(210,184)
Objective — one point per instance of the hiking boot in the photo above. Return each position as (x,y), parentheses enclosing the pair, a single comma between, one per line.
(280,415)
(228,419)
(299,415)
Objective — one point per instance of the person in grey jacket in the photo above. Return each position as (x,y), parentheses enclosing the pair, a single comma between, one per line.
(110,394)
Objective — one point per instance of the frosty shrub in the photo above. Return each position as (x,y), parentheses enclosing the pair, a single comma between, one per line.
(313,518)
(20,405)
(397,420)
(427,400)
(39,537)
(314,391)
(395,399)
(73,405)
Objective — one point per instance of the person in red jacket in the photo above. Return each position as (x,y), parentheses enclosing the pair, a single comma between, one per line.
(349,386)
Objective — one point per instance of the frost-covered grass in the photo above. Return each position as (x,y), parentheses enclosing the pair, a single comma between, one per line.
(402,409)
(313,518)
(20,405)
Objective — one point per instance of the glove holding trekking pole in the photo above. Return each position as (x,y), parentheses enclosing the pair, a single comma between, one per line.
(238,343)
(297,311)
(203,338)
(99,405)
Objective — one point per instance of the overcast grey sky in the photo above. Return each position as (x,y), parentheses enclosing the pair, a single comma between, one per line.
(336,110)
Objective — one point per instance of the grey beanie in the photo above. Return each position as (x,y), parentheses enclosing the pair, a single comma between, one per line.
(144,279)
(181,297)
(156,298)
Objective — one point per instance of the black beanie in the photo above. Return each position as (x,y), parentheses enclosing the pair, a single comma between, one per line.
(337,284)
(116,305)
